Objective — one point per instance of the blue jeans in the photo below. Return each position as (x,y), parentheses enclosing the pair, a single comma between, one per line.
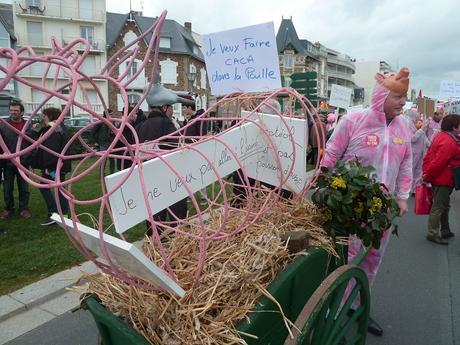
(9,174)
(48,196)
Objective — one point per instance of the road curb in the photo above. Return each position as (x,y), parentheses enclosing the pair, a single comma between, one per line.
(42,291)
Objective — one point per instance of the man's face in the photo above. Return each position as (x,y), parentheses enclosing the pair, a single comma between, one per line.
(187,110)
(394,104)
(15,113)
(418,123)
(168,110)
(437,116)
(133,118)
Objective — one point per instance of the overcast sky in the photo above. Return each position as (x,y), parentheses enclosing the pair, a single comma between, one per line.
(423,35)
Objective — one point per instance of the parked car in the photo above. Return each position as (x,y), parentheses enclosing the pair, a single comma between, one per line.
(76,123)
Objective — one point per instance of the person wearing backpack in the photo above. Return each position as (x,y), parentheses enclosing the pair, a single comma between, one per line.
(442,157)
(47,161)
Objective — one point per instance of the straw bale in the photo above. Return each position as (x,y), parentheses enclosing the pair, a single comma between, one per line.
(237,271)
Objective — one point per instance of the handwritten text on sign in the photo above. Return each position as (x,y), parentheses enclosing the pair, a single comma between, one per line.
(244,59)
(289,143)
(340,96)
(449,89)
(206,161)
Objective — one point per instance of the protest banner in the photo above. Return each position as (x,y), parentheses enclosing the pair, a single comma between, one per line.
(242,60)
(205,162)
(425,106)
(449,89)
(340,96)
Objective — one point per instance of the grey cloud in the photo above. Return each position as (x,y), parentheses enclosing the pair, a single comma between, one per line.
(420,35)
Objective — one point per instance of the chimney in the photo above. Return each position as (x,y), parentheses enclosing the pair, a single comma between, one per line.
(188,26)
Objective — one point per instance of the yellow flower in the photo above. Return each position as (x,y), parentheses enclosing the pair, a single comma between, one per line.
(376,204)
(338,182)
(359,209)
(327,215)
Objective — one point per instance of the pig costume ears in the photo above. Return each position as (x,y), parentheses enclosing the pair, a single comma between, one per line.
(396,82)
(331,118)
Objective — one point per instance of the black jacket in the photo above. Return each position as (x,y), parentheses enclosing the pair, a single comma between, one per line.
(197,128)
(101,134)
(56,142)
(156,126)
(11,140)
(125,163)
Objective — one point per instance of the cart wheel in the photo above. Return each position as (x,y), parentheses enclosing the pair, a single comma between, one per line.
(326,318)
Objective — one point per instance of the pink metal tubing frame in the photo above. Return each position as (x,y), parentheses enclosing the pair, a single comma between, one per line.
(68,61)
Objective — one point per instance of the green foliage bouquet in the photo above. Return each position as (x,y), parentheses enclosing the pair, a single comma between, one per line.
(354,202)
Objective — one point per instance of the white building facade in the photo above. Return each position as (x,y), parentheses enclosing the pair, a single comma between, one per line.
(36,22)
(364,76)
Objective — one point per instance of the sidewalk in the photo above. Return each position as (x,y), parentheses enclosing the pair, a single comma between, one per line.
(28,308)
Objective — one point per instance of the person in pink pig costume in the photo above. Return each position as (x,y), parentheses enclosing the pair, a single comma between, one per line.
(379,137)
(434,124)
(330,121)
(419,143)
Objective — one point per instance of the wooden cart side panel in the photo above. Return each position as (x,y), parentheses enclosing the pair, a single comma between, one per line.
(292,289)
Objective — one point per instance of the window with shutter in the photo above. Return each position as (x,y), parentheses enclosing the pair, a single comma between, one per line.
(168,72)
(203,78)
(4,37)
(35,33)
(165,42)
(120,103)
(204,102)
(128,38)
(88,66)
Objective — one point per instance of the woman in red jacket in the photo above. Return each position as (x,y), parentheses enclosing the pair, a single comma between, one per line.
(442,156)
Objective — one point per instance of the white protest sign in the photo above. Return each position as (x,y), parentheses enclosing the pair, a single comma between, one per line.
(408,105)
(123,254)
(196,166)
(289,141)
(244,59)
(340,96)
(449,89)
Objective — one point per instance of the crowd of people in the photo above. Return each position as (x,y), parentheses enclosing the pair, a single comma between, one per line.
(407,149)
(158,123)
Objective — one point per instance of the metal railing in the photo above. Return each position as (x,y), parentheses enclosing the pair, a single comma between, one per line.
(61,12)
(342,75)
(45,42)
(95,44)
(30,107)
(343,61)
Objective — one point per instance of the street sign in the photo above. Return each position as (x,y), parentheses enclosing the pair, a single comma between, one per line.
(305,83)
(304,75)
(299,84)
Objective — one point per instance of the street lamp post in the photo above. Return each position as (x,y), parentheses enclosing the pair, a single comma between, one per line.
(191,75)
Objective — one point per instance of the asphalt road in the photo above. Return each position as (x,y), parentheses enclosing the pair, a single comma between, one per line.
(416,297)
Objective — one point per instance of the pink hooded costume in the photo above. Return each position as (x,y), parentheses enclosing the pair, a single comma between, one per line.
(419,143)
(387,147)
(433,128)
(330,121)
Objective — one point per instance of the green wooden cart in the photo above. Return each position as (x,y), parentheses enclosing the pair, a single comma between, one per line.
(310,290)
